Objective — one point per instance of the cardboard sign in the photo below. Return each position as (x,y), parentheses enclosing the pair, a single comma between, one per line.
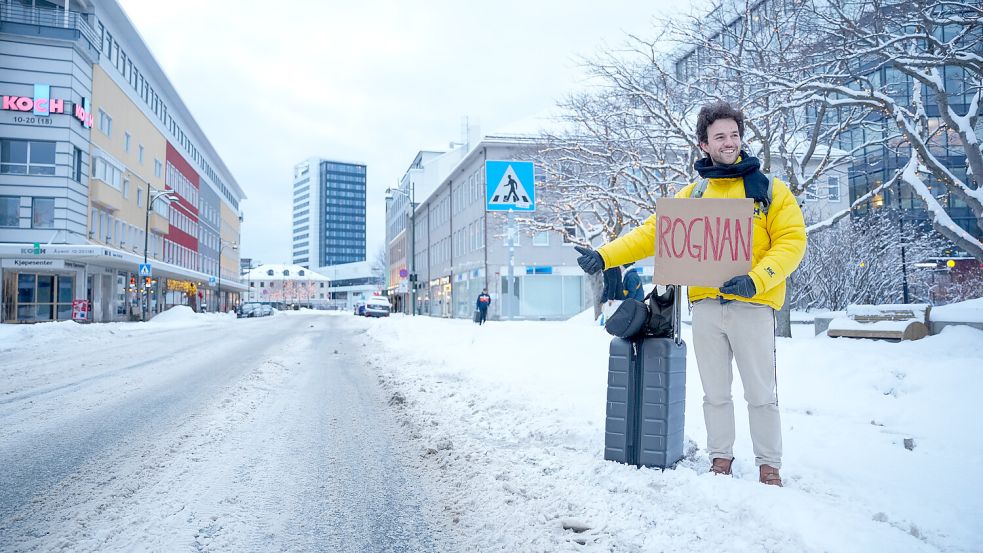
(703,241)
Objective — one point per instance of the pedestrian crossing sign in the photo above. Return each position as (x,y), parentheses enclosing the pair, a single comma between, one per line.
(145,270)
(510,186)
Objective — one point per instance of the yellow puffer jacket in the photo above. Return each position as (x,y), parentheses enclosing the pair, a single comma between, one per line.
(779,242)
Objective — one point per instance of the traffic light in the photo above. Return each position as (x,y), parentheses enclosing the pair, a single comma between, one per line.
(133,280)
(146,282)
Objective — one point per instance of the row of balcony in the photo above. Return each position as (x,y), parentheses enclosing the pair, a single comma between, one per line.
(18,19)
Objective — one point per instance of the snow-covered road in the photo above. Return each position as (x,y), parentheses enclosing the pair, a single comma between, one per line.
(250,435)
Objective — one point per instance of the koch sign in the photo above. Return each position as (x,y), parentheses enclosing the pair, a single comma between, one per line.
(44,105)
(702,242)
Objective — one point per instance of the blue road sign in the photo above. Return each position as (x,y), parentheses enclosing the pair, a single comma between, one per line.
(211,280)
(509,186)
(145,270)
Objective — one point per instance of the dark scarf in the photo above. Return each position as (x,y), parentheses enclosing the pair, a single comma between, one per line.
(747,167)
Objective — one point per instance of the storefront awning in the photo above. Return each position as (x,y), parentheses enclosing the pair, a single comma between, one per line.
(111,257)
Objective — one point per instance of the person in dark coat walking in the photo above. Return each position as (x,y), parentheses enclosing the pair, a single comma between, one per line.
(633,284)
(484,300)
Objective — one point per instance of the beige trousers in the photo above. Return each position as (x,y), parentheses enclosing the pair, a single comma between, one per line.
(746,333)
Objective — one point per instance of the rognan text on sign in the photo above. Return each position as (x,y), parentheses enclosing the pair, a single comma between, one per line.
(703,242)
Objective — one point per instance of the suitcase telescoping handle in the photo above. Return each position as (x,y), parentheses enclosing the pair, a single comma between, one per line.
(677,313)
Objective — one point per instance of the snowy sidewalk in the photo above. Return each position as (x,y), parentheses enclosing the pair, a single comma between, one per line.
(510,417)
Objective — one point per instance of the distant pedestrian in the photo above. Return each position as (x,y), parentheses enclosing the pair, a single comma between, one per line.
(484,300)
(632,284)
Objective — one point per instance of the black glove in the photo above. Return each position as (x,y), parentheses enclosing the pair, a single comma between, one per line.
(739,286)
(590,261)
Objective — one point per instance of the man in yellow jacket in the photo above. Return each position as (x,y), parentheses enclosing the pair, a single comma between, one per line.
(737,320)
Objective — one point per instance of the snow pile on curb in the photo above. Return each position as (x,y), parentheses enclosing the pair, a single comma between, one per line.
(510,417)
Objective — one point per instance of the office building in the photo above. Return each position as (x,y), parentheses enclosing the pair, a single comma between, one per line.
(328,213)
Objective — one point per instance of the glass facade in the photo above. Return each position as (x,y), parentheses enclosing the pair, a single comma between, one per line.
(343,213)
(38,296)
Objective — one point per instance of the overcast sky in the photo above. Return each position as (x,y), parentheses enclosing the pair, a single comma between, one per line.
(367,81)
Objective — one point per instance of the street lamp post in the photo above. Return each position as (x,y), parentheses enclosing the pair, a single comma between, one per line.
(221,247)
(412,256)
(151,198)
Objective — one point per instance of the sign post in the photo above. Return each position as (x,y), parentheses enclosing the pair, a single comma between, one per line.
(703,242)
(510,187)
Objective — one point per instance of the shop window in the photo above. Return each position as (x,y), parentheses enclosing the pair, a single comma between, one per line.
(27,157)
(43,297)
(9,211)
(43,213)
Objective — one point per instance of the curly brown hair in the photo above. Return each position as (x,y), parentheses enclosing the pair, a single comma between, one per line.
(717,110)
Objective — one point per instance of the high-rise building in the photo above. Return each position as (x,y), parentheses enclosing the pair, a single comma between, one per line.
(104,167)
(329,213)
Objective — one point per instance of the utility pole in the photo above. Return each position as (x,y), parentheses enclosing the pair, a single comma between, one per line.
(151,198)
(511,272)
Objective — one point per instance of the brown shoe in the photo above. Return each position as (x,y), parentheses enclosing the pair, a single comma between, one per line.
(769,475)
(721,466)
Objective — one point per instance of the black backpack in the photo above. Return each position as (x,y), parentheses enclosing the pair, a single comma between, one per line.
(651,318)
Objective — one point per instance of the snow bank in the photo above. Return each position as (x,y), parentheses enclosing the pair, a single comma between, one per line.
(881,447)
(969,311)
(176,314)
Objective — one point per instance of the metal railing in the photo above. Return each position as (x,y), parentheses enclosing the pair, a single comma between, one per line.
(47,17)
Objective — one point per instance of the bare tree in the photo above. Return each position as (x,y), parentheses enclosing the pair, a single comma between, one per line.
(929,52)
(860,260)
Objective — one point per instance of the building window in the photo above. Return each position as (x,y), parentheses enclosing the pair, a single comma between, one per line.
(77,166)
(43,213)
(139,197)
(9,211)
(27,157)
(126,142)
(126,188)
(833,188)
(105,123)
(541,239)
(140,153)
(107,173)
(44,297)
(158,167)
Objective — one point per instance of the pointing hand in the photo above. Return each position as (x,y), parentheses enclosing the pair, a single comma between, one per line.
(590,261)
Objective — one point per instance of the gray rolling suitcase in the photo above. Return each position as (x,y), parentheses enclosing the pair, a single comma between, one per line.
(646,399)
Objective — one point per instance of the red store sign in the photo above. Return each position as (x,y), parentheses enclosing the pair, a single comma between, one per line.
(42,104)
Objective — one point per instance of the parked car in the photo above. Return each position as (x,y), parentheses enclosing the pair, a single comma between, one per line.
(377,306)
(245,309)
(254,310)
